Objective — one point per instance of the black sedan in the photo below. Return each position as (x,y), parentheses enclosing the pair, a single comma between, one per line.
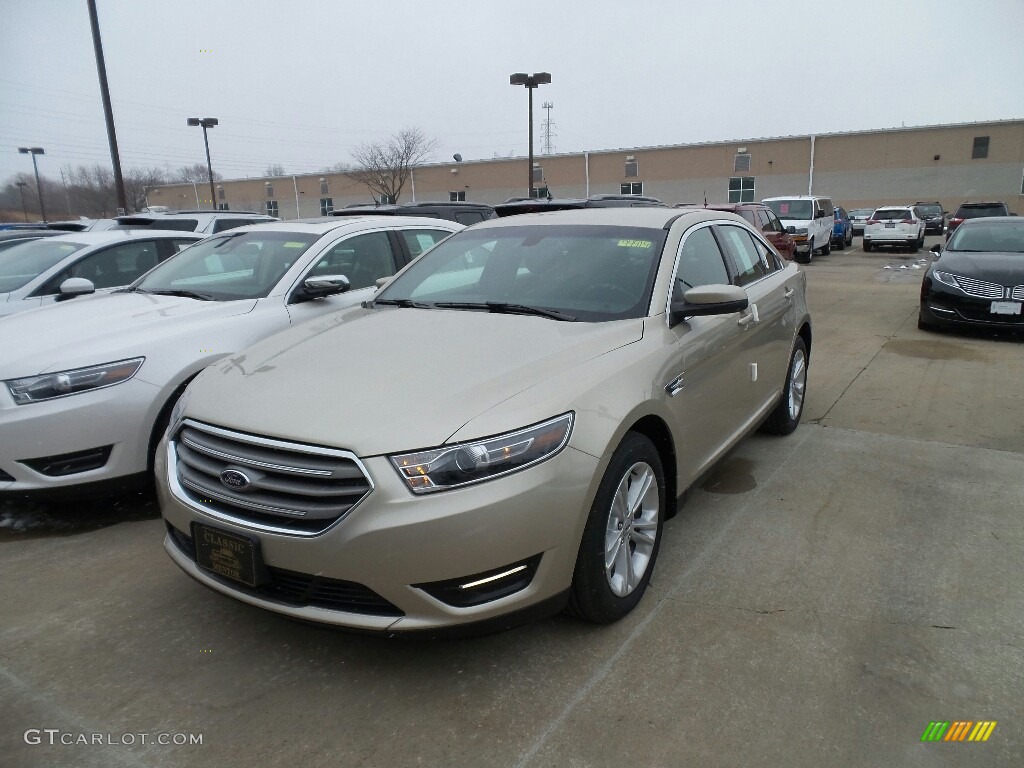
(978,278)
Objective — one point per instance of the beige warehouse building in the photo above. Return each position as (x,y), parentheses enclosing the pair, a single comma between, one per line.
(947,163)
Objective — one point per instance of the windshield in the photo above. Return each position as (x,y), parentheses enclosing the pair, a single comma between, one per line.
(858,213)
(791,209)
(591,273)
(25,261)
(981,236)
(243,265)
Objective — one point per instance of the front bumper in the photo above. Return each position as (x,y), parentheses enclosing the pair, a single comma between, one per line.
(393,540)
(946,308)
(41,440)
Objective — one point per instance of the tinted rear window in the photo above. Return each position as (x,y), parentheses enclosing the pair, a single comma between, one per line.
(175,224)
(978,211)
(890,214)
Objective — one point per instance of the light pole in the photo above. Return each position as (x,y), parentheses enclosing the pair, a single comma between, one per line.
(39,190)
(21,188)
(207,122)
(530,82)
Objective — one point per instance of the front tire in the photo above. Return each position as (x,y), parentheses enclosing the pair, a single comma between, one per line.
(623,534)
(786,415)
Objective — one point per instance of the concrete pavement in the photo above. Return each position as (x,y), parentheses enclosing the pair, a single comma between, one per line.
(818,601)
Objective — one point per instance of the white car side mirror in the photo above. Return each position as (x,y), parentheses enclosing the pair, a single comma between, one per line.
(76,286)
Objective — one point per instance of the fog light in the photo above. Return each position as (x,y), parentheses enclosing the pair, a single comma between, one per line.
(480,588)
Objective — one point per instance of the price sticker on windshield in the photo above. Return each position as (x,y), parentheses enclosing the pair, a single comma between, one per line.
(635,243)
(783,208)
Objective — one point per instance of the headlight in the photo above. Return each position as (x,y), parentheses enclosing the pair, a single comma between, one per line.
(801,231)
(48,386)
(465,463)
(946,279)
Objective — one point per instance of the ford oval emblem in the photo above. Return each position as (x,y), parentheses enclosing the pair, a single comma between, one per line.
(235,480)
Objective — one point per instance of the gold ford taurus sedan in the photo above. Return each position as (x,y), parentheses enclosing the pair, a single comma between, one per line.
(499,434)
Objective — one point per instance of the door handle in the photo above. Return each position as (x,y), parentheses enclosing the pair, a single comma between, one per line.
(746,320)
(789,293)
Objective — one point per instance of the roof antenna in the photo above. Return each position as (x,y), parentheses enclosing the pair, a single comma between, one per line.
(705,198)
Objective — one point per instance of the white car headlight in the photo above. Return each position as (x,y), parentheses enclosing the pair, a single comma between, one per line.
(946,278)
(48,386)
(465,463)
(801,230)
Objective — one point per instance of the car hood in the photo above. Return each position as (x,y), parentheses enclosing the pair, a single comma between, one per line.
(995,267)
(100,329)
(385,380)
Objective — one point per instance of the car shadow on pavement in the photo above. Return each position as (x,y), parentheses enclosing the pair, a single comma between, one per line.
(24,519)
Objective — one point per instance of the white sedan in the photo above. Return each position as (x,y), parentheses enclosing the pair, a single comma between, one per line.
(88,385)
(45,271)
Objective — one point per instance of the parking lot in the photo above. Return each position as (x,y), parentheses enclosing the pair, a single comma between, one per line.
(818,600)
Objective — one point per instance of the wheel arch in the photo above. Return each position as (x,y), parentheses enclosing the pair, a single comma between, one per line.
(657,431)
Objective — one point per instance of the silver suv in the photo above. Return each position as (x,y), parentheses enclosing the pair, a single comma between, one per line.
(207,222)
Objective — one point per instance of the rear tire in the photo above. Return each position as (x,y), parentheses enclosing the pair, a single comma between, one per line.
(849,240)
(786,415)
(841,245)
(623,534)
(866,245)
(828,247)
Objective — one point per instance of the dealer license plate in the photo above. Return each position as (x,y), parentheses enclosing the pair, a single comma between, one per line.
(1005,307)
(890,225)
(227,554)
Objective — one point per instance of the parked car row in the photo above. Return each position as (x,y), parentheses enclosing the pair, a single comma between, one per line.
(498,432)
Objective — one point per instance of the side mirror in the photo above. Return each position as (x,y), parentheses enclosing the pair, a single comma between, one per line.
(382,281)
(322,286)
(707,300)
(75,286)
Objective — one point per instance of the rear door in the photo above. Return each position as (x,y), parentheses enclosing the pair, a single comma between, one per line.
(768,332)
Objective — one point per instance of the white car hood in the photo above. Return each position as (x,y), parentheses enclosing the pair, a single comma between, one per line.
(385,380)
(101,329)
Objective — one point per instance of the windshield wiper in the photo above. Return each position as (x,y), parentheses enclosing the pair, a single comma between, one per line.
(407,303)
(185,294)
(503,307)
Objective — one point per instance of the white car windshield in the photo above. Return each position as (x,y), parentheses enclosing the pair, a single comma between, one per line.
(588,273)
(26,261)
(791,209)
(238,265)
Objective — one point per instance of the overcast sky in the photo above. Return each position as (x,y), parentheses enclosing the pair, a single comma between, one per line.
(301,82)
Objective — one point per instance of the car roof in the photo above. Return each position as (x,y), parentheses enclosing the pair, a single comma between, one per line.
(644,216)
(323,225)
(994,221)
(113,235)
(26,234)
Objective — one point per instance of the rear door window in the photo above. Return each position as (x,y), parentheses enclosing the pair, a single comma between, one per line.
(748,260)
(419,240)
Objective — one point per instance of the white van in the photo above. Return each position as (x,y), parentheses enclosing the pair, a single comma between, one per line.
(810,219)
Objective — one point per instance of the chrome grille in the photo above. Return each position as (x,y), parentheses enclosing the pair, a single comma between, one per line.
(292,487)
(1017,293)
(980,288)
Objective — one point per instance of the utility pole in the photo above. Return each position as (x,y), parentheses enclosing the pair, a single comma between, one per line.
(108,113)
(548,125)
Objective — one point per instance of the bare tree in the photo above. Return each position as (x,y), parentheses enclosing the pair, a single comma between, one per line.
(193,174)
(91,188)
(384,167)
(274,169)
(137,181)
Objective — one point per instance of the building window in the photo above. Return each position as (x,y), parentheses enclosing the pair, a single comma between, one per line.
(457,197)
(323,187)
(222,207)
(540,193)
(632,168)
(980,149)
(538,173)
(270,189)
(386,200)
(741,189)
(326,206)
(632,188)
(272,207)
(220,193)
(741,163)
